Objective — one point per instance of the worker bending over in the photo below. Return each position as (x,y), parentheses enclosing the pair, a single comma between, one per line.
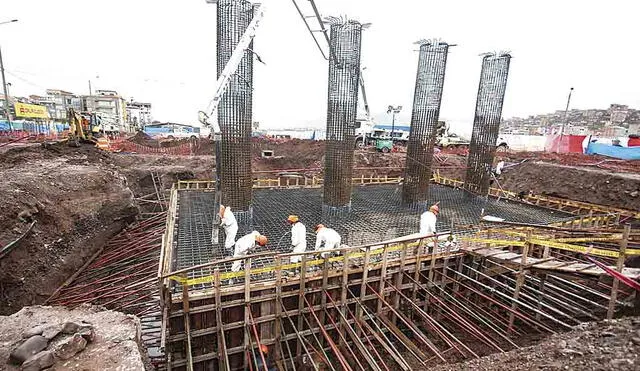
(244,245)
(329,237)
(230,225)
(428,220)
(298,237)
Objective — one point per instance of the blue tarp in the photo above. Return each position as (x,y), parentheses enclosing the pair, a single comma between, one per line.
(623,153)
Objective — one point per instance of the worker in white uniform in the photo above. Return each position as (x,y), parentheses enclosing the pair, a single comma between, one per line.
(329,237)
(428,220)
(244,246)
(230,225)
(298,237)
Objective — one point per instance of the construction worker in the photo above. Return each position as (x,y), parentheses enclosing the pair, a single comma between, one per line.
(298,237)
(268,363)
(428,220)
(329,237)
(230,225)
(244,245)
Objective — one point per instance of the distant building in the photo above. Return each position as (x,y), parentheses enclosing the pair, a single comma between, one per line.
(139,114)
(614,131)
(634,128)
(109,105)
(618,113)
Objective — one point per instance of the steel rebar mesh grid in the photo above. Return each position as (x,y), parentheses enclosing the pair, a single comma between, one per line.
(424,120)
(235,109)
(486,124)
(344,75)
(377,214)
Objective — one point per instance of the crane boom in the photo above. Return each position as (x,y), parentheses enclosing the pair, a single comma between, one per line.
(232,65)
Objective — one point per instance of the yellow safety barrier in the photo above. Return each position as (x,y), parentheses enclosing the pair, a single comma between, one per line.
(494,242)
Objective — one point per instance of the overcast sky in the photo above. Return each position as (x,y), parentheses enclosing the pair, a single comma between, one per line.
(163,52)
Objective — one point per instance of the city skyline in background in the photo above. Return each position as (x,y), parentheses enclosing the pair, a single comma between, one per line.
(167,56)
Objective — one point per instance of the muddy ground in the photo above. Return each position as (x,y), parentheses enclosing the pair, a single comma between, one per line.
(82,196)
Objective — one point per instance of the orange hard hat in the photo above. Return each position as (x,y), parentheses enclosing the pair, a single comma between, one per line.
(435,209)
(261,240)
(293,218)
(319,227)
(264,348)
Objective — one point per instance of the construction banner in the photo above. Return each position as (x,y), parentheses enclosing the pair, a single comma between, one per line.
(31,111)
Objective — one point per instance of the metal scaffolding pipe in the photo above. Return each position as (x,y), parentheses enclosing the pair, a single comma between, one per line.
(424,120)
(344,76)
(486,123)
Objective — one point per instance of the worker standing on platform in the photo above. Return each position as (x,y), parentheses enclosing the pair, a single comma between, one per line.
(329,237)
(230,225)
(298,237)
(244,245)
(428,220)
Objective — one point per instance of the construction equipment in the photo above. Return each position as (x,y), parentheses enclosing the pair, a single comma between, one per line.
(79,129)
(384,145)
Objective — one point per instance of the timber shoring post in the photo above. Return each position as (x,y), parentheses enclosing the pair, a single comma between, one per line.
(363,289)
(223,358)
(323,300)
(383,273)
(345,287)
(419,254)
(303,271)
(247,307)
(398,282)
(619,266)
(187,325)
(520,280)
(278,309)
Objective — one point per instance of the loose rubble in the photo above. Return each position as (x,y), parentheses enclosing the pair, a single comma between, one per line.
(606,345)
(86,338)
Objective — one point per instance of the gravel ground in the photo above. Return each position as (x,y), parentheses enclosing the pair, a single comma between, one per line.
(606,345)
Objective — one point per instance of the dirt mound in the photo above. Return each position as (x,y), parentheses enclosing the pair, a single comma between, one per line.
(574,159)
(77,199)
(576,183)
(607,345)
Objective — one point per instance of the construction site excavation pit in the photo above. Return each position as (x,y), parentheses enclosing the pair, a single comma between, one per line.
(389,299)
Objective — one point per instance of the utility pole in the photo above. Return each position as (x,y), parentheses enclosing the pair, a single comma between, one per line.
(393,110)
(89,87)
(6,94)
(566,114)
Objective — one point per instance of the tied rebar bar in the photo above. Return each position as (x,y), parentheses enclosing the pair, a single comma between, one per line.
(344,75)
(235,109)
(486,124)
(424,120)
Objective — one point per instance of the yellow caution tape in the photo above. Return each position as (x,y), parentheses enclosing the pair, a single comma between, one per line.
(577,248)
(494,242)
(589,239)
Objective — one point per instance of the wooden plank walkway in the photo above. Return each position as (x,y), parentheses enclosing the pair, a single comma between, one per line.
(547,264)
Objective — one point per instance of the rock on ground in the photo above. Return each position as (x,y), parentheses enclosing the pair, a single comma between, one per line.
(116,343)
(606,345)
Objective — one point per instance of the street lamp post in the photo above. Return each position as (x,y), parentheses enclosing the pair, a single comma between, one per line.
(393,110)
(4,82)
(566,114)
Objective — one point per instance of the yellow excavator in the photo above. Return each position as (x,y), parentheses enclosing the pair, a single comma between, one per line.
(79,129)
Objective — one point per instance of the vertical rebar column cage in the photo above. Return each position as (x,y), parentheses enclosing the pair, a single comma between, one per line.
(235,109)
(424,121)
(486,123)
(344,75)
